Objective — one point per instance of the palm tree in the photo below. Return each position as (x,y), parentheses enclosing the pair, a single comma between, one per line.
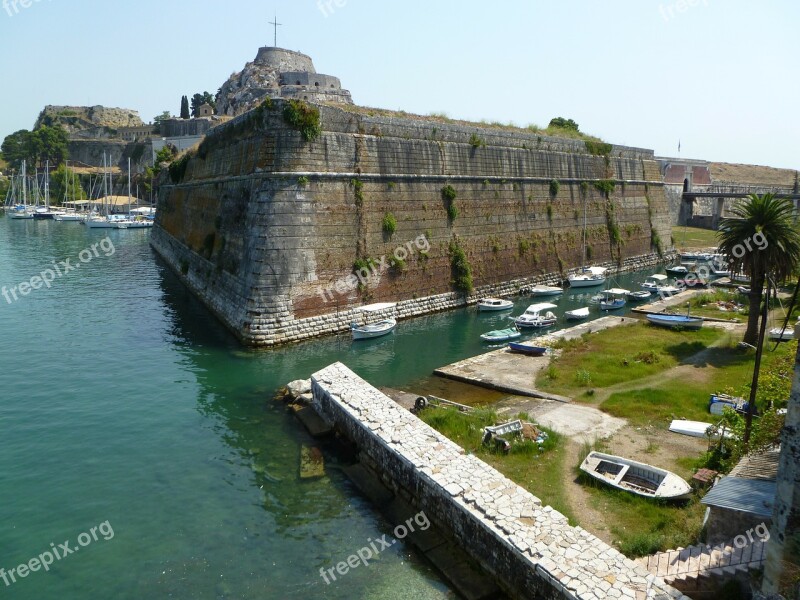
(761,240)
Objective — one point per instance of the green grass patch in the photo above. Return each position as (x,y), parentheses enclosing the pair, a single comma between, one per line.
(711,303)
(688,238)
(537,470)
(620,354)
(727,369)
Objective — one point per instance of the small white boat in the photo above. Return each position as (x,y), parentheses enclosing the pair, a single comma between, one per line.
(658,284)
(677,271)
(780,334)
(635,477)
(532,316)
(70,217)
(589,277)
(20,214)
(639,296)
(501,335)
(494,304)
(699,429)
(372,330)
(613,299)
(375,329)
(579,314)
(545,290)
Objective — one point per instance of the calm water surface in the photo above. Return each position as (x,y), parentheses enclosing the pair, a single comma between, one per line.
(123,400)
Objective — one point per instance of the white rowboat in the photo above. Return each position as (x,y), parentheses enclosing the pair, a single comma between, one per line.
(635,477)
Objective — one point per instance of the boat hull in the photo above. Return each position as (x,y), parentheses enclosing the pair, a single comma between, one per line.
(374,330)
(676,322)
(635,477)
(529,350)
(583,282)
(494,305)
(501,335)
(698,429)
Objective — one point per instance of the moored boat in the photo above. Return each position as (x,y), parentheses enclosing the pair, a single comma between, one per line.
(588,277)
(526,349)
(377,328)
(579,314)
(532,316)
(501,335)
(494,304)
(676,321)
(613,299)
(638,296)
(544,290)
(635,477)
(677,271)
(372,330)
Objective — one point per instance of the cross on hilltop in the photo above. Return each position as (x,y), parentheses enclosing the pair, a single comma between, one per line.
(276,24)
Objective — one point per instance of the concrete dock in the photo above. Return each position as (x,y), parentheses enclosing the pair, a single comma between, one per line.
(515,373)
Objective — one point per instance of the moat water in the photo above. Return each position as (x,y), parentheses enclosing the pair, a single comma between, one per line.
(136,429)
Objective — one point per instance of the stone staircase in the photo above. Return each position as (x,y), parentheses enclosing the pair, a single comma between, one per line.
(705,567)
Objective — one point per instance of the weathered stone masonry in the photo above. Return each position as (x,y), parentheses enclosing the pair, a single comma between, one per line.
(530,549)
(263,224)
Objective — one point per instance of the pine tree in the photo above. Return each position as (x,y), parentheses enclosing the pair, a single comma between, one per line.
(184,107)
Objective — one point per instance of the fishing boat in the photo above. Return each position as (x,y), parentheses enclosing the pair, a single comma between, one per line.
(532,317)
(613,299)
(544,290)
(638,296)
(676,321)
(691,282)
(658,284)
(699,429)
(677,271)
(579,314)
(588,277)
(635,477)
(375,329)
(501,335)
(494,304)
(526,349)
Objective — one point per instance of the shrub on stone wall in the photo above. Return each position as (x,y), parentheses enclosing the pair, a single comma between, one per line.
(389,224)
(554,187)
(460,268)
(304,118)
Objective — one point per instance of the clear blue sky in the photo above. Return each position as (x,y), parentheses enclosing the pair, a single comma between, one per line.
(721,76)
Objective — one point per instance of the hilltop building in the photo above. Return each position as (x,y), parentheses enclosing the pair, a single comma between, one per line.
(278,73)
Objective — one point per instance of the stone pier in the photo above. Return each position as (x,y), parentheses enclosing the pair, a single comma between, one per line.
(529,549)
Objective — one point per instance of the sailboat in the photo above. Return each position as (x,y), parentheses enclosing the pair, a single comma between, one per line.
(588,276)
(130,221)
(22,211)
(100,221)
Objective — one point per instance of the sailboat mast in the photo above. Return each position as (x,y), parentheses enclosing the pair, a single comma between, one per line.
(129,185)
(583,256)
(47,184)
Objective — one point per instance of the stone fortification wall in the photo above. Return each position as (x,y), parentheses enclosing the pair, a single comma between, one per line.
(267,227)
(530,549)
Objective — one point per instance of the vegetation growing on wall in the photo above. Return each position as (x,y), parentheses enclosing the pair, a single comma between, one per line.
(449,195)
(460,267)
(555,186)
(598,148)
(358,191)
(304,118)
(476,141)
(389,224)
(605,186)
(177,169)
(302,181)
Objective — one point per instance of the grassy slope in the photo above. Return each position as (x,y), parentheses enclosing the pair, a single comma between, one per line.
(618,355)
(693,238)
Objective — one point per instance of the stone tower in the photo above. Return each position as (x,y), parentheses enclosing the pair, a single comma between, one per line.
(783,550)
(278,73)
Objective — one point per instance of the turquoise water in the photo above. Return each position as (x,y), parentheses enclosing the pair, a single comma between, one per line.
(124,401)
